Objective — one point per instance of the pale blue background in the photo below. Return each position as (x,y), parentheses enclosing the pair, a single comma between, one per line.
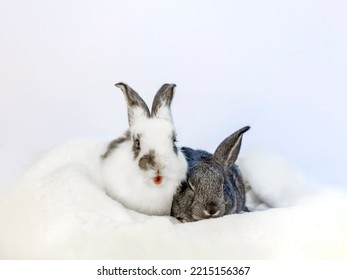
(278,66)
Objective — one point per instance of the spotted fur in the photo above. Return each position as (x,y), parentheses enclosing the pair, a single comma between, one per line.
(132,163)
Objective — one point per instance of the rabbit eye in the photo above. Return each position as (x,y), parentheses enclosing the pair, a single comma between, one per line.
(136,147)
(137,144)
(175,149)
(174,141)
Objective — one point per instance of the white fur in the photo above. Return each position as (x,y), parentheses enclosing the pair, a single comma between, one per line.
(272,181)
(133,187)
(58,211)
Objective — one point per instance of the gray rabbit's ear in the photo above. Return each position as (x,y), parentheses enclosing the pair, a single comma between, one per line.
(162,102)
(228,151)
(190,185)
(137,108)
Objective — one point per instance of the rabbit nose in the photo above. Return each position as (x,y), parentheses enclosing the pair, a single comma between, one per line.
(212,210)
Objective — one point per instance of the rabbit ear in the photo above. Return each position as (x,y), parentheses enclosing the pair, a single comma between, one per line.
(162,101)
(227,151)
(137,108)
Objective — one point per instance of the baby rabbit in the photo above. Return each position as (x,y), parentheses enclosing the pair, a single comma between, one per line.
(143,168)
(214,185)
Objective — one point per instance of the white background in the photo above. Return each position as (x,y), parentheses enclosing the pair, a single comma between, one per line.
(278,66)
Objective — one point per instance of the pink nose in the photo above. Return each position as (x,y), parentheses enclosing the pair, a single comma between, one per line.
(157,179)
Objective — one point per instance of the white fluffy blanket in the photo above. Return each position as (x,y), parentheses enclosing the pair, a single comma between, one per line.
(58,211)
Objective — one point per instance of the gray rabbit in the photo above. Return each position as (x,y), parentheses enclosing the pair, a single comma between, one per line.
(214,186)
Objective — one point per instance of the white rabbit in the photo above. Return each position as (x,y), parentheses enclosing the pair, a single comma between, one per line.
(143,168)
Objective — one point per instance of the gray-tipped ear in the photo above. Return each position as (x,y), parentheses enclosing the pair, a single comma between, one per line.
(137,108)
(162,102)
(228,151)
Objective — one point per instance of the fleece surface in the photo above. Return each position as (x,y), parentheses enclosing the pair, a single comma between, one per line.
(58,210)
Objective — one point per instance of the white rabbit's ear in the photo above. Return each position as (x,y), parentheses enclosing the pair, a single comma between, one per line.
(137,108)
(227,151)
(162,101)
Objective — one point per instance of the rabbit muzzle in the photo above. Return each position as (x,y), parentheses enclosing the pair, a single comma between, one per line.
(148,162)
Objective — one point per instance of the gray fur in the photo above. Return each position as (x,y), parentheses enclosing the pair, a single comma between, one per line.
(148,161)
(133,100)
(214,185)
(163,97)
(115,143)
